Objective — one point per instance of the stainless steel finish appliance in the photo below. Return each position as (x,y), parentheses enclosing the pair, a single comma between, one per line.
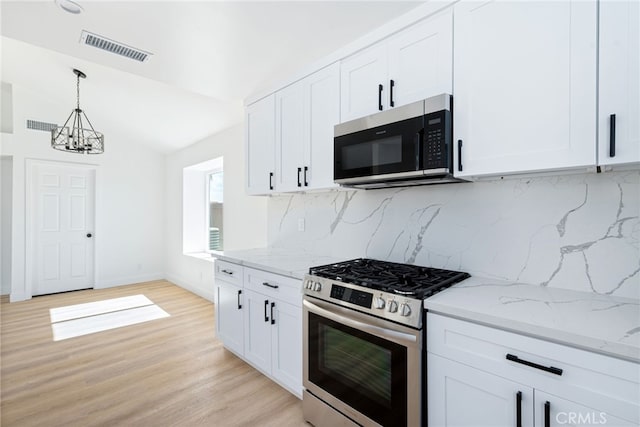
(363,354)
(408,145)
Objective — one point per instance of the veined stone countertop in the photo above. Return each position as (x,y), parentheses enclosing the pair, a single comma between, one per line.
(292,263)
(600,323)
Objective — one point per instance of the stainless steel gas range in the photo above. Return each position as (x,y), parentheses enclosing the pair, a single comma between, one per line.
(364,356)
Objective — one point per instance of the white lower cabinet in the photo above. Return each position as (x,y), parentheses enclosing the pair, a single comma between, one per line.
(259,318)
(483,376)
(229,316)
(463,396)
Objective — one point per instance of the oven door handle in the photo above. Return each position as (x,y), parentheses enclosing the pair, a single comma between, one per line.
(389,334)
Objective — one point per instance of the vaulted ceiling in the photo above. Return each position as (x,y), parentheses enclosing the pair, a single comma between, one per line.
(208,56)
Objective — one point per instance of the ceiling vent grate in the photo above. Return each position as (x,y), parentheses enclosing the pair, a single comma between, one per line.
(43,126)
(112,46)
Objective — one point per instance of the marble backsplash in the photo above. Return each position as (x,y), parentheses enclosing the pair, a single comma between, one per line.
(577,232)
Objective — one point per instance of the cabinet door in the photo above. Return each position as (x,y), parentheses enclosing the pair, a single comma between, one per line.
(458,395)
(554,411)
(286,350)
(257,330)
(260,145)
(421,60)
(360,76)
(619,82)
(291,137)
(229,316)
(524,86)
(323,113)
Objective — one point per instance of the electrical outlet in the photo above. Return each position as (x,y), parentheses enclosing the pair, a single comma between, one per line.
(300,224)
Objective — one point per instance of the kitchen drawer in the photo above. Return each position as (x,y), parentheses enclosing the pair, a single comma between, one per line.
(286,289)
(486,348)
(229,272)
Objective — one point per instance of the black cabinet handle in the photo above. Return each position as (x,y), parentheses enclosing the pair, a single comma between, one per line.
(230,273)
(547,414)
(306,169)
(269,285)
(519,409)
(460,155)
(299,171)
(89,235)
(270,180)
(239,305)
(551,369)
(391,85)
(266,316)
(273,321)
(380,97)
(612,135)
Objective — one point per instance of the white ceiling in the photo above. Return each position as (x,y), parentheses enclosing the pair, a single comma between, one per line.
(208,56)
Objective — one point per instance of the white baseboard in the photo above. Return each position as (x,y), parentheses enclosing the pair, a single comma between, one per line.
(208,294)
(119,281)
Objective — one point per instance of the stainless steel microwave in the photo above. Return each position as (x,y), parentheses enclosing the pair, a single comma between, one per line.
(408,145)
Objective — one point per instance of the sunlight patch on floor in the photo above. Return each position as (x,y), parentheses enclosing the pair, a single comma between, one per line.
(83,319)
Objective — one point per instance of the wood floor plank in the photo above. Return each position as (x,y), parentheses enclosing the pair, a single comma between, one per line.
(165,372)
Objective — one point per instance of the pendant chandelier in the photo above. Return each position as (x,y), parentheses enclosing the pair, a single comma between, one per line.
(78,138)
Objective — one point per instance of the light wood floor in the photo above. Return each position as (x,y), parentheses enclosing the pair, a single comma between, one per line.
(166,372)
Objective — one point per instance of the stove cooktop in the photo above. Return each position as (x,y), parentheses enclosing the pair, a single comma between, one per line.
(411,281)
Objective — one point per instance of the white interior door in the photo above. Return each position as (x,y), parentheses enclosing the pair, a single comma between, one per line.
(63,219)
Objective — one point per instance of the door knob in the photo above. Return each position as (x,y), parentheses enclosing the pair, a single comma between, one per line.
(89,234)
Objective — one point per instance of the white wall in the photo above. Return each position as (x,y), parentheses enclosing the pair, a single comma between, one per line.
(130,196)
(6,168)
(245,218)
(573,231)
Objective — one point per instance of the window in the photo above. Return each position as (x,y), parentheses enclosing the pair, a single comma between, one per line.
(215,185)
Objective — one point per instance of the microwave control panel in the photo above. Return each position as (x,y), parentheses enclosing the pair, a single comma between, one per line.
(437,140)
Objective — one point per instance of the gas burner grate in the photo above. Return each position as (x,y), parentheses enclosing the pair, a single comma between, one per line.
(402,279)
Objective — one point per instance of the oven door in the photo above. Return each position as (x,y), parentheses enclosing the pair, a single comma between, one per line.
(365,367)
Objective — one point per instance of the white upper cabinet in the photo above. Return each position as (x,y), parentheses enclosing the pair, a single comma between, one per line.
(260,146)
(290,137)
(409,66)
(306,112)
(619,83)
(524,86)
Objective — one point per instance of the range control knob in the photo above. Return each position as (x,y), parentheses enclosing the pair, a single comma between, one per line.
(378,302)
(308,284)
(317,286)
(392,306)
(405,310)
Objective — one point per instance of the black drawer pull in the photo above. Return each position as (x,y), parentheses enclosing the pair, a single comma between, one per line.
(230,273)
(551,369)
(266,304)
(612,135)
(547,414)
(269,285)
(239,305)
(380,97)
(273,321)
(519,409)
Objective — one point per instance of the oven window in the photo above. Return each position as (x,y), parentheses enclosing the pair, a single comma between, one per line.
(364,371)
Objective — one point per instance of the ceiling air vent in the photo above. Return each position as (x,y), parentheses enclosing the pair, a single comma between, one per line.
(36,125)
(112,46)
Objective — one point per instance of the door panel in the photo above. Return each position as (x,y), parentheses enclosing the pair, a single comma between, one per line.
(360,76)
(62,205)
(229,316)
(286,354)
(463,396)
(260,139)
(291,135)
(257,330)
